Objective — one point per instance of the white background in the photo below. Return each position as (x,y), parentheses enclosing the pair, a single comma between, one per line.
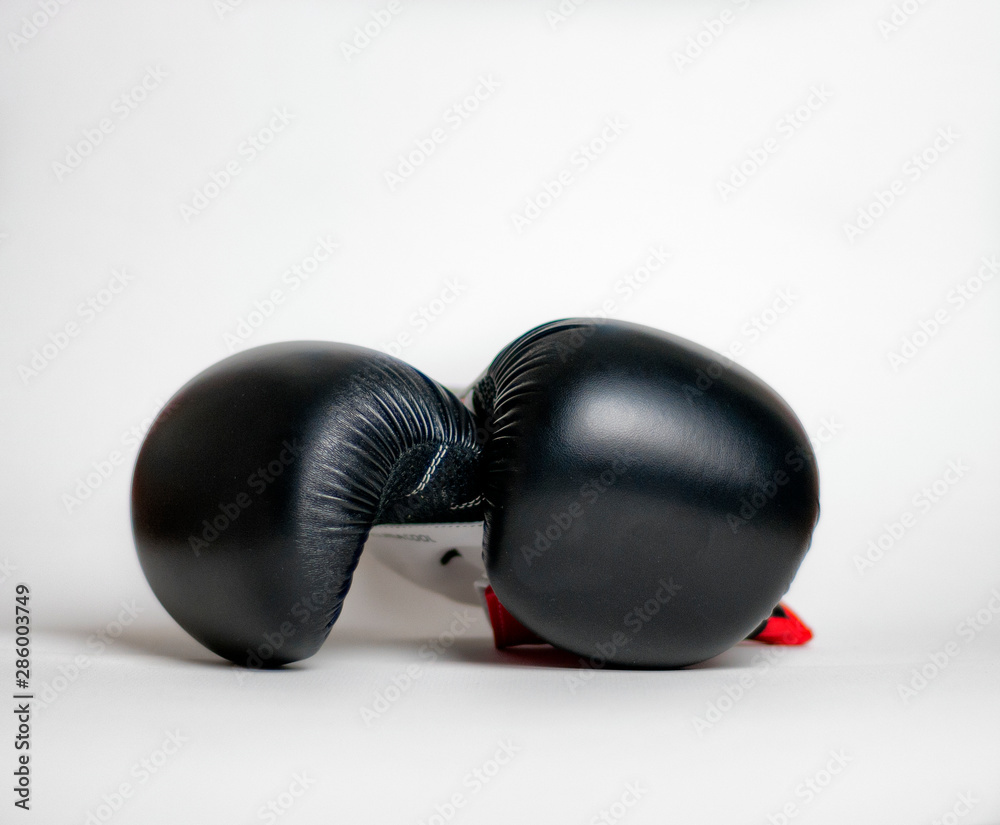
(890,430)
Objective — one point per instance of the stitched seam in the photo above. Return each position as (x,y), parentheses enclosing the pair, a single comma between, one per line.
(430,471)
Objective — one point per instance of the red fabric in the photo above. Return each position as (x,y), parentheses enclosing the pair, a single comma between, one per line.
(784,630)
(507,631)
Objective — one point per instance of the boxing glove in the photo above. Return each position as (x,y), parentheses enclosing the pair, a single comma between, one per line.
(257,485)
(647,502)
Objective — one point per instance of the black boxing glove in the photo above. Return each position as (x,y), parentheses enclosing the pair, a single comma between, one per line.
(257,486)
(647,502)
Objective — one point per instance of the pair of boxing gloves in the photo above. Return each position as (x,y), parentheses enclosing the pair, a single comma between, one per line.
(635,498)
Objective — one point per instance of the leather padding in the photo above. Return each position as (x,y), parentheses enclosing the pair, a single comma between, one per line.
(255,489)
(648,501)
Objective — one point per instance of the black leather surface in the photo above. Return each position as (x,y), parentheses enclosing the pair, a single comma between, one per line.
(254,491)
(621,482)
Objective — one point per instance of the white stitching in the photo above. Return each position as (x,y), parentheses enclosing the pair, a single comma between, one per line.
(430,471)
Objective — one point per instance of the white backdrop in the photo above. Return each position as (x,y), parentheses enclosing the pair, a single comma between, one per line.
(809,187)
